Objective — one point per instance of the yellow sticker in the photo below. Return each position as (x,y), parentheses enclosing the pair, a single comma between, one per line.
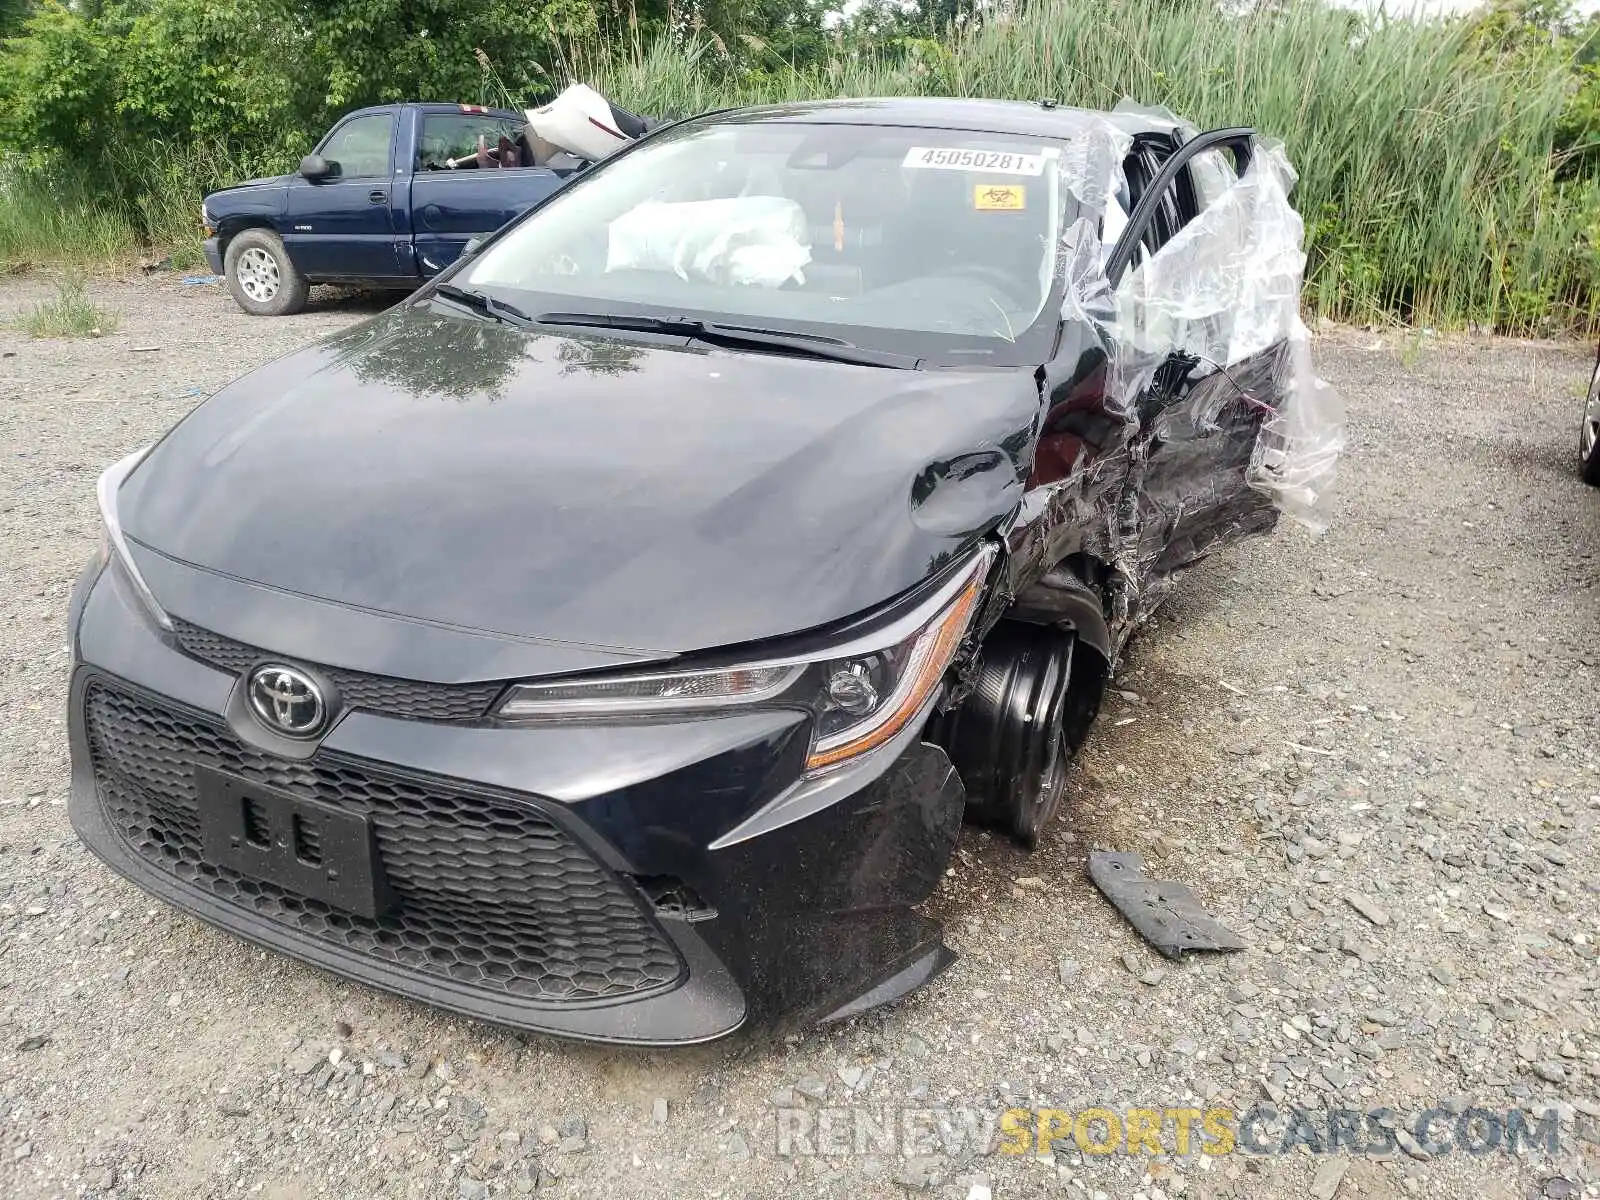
(999,197)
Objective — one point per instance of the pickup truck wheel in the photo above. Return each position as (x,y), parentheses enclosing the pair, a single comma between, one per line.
(262,279)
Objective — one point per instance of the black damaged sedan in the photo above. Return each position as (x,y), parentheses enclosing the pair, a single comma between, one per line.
(610,639)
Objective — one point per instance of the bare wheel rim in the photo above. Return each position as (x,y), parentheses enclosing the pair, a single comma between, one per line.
(1590,433)
(1036,810)
(257,272)
(1052,782)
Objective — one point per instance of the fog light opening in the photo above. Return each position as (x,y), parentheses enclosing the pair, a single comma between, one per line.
(673,899)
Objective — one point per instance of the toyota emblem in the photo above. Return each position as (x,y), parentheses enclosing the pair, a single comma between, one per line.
(287,701)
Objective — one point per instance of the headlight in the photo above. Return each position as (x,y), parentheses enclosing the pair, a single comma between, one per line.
(861,693)
(671,691)
(111,479)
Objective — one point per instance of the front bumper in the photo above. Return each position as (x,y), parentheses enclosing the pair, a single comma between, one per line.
(213,250)
(627,883)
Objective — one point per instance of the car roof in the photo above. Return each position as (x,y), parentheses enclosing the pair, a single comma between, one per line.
(1028,118)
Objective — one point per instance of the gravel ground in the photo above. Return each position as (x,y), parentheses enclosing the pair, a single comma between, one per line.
(1372,754)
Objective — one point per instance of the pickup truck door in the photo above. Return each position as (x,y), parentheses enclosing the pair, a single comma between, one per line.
(450,206)
(343,227)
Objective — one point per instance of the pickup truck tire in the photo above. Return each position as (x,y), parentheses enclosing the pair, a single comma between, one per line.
(262,279)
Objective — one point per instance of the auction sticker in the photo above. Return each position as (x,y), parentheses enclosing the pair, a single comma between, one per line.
(995,162)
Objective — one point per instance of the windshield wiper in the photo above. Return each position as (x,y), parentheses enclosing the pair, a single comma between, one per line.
(500,310)
(735,337)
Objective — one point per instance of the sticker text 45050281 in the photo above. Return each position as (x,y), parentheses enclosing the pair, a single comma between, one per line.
(1000,162)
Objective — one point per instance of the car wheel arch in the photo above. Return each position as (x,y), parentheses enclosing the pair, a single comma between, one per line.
(231,227)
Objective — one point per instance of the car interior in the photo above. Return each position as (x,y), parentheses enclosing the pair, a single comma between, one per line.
(880,242)
(455,142)
(898,239)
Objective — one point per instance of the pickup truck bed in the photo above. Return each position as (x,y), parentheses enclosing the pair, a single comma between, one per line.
(390,214)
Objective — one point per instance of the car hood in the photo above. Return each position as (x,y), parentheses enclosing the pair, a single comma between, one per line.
(244,184)
(662,498)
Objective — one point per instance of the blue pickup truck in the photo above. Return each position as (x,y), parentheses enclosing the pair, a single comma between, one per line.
(387,199)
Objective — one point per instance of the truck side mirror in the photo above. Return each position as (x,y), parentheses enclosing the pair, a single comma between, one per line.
(472,247)
(316,168)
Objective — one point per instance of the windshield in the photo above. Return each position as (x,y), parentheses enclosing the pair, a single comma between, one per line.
(935,243)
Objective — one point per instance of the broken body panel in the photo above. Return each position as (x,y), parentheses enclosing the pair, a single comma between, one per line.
(1196,419)
(1167,915)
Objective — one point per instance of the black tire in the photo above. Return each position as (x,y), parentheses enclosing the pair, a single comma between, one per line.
(262,279)
(1589,433)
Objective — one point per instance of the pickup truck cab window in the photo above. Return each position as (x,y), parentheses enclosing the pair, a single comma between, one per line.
(457,137)
(361,146)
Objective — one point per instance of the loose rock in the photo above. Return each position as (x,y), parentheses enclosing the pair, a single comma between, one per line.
(1367,907)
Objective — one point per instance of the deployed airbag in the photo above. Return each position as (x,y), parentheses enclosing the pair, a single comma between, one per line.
(759,241)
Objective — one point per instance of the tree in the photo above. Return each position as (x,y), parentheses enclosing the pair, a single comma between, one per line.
(12,14)
(262,78)
(381,51)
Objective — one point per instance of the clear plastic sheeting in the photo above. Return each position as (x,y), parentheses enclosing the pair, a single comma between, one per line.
(1296,457)
(1227,285)
(1154,116)
(1087,295)
(1205,419)
(1225,289)
(758,241)
(1091,165)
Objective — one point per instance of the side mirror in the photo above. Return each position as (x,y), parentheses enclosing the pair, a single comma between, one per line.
(472,247)
(316,168)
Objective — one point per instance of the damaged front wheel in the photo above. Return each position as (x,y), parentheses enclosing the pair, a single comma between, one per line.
(1011,740)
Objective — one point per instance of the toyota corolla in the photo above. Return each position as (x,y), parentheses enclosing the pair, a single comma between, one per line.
(610,639)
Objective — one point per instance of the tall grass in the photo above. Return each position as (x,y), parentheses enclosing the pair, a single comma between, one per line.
(169,179)
(46,221)
(1426,173)
(142,205)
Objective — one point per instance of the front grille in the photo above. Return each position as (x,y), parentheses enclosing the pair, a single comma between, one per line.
(375,693)
(488,892)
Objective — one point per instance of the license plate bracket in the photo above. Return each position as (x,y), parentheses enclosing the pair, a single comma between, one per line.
(306,847)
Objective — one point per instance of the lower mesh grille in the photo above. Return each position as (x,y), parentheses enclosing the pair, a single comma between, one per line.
(489,893)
